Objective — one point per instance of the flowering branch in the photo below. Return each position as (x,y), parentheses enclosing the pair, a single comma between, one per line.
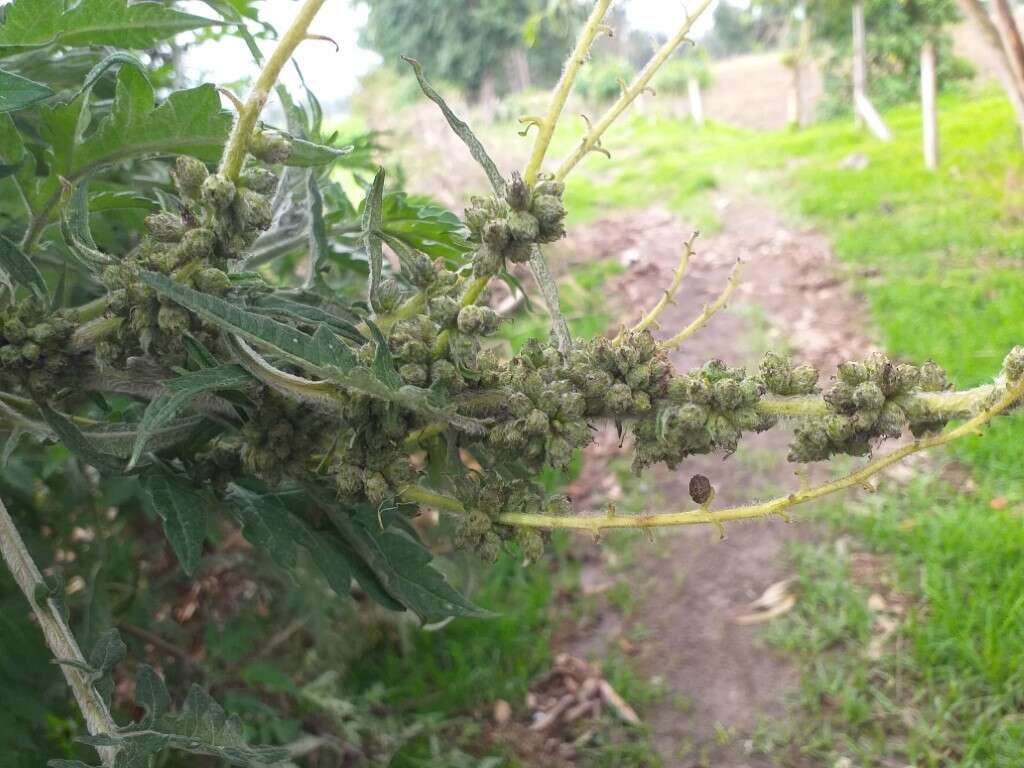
(709,311)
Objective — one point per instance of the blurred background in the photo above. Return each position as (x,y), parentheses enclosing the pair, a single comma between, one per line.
(865,161)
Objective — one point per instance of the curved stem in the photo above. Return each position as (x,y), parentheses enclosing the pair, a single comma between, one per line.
(472,293)
(576,60)
(677,278)
(777,506)
(238,144)
(709,311)
(59,638)
(593,137)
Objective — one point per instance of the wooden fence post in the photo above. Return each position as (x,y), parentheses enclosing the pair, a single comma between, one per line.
(929,116)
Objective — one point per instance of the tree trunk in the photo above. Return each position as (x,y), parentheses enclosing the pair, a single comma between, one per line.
(1009,35)
(860,64)
(696,103)
(1013,84)
(929,117)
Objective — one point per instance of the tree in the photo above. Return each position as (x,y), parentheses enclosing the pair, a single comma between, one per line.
(1003,36)
(317,405)
(473,45)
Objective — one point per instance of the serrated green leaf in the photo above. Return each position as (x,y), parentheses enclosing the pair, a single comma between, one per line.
(309,154)
(35,23)
(75,229)
(151,694)
(183,510)
(188,122)
(270,525)
(383,363)
(16,269)
(181,390)
(108,652)
(371,234)
(400,563)
(307,313)
(120,439)
(76,442)
(461,129)
(422,224)
(17,92)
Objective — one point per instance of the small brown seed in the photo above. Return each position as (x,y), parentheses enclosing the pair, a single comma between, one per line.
(700,489)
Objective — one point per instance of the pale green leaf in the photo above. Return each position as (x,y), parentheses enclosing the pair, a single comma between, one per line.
(371,234)
(309,154)
(35,23)
(461,129)
(17,92)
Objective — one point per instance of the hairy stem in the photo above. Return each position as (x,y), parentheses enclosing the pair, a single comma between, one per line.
(238,144)
(58,635)
(473,291)
(777,506)
(578,57)
(709,311)
(651,317)
(628,96)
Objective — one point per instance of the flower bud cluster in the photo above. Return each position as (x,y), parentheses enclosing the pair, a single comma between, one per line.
(281,436)
(486,496)
(508,228)
(866,403)
(705,410)
(34,351)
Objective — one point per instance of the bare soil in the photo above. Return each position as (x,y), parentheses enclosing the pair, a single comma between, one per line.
(721,678)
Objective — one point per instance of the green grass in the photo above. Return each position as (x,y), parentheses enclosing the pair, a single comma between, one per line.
(939,258)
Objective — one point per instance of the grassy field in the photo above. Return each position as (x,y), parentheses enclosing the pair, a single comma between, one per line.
(939,258)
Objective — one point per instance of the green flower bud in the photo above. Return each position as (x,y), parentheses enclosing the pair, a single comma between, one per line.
(218,192)
(639,376)
(549,187)
(641,401)
(517,194)
(41,333)
(692,416)
(414,373)
(173,320)
(891,420)
(904,378)
(1013,364)
(419,269)
(487,262)
(165,227)
(520,406)
(517,253)
(548,210)
(726,394)
(10,355)
(388,296)
(196,243)
(446,373)
(523,226)
(269,147)
(537,422)
(531,543)
(559,452)
(30,351)
(253,209)
(496,234)
(14,330)
(376,488)
(258,179)
(868,397)
(415,352)
(213,281)
(443,310)
(853,373)
(805,379)
(558,505)
(619,398)
(931,378)
(840,396)
(489,548)
(189,175)
(477,320)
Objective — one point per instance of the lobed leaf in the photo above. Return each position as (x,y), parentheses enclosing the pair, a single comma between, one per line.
(371,234)
(182,510)
(37,23)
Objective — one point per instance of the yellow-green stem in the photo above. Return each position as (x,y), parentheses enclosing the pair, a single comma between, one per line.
(238,144)
(472,293)
(590,141)
(578,57)
(597,523)
(417,494)
(93,331)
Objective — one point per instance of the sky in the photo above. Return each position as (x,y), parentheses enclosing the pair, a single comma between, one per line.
(334,75)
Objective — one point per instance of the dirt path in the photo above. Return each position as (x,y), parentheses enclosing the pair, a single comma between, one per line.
(690,586)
